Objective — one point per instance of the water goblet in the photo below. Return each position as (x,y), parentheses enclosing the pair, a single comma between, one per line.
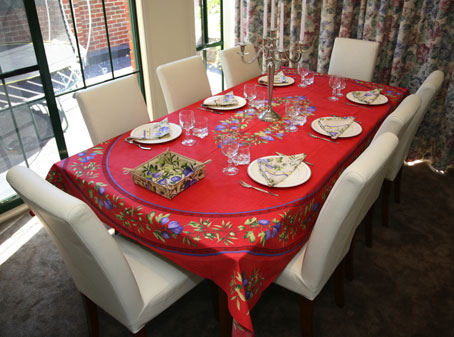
(229,147)
(250,92)
(187,123)
(341,87)
(291,109)
(334,83)
(303,70)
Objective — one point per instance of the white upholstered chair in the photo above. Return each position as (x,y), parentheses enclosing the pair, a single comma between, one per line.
(397,123)
(353,58)
(183,82)
(126,280)
(426,92)
(112,108)
(352,195)
(235,70)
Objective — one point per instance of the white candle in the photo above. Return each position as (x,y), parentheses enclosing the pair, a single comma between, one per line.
(265,18)
(281,28)
(272,14)
(303,21)
(241,22)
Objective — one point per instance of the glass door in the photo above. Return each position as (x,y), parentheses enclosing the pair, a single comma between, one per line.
(209,38)
(26,99)
(48,50)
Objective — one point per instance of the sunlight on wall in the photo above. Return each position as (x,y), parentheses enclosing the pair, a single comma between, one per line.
(18,239)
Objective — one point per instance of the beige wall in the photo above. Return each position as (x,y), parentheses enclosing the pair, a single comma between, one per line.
(166,30)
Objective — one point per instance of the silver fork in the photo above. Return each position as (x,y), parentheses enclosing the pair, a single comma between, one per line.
(130,141)
(358,106)
(245,184)
(326,139)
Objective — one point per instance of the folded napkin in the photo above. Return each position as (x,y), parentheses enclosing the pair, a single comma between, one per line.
(276,169)
(278,78)
(157,130)
(335,126)
(223,100)
(367,97)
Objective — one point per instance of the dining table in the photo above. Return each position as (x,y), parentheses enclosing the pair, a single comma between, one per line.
(237,237)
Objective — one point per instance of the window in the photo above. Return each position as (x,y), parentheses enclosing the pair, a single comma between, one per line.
(209,38)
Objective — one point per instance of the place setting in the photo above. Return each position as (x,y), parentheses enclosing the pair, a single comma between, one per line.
(154,133)
(225,102)
(335,127)
(368,97)
(280,80)
(280,171)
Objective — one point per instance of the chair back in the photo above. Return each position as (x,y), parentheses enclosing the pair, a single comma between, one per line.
(355,191)
(427,92)
(398,123)
(235,70)
(93,258)
(112,108)
(183,82)
(353,58)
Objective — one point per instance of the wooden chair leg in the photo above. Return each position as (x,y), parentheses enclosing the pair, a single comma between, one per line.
(307,316)
(386,191)
(338,277)
(368,227)
(141,333)
(349,271)
(397,183)
(225,319)
(91,312)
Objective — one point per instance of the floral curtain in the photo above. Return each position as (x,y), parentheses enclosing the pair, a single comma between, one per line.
(416,37)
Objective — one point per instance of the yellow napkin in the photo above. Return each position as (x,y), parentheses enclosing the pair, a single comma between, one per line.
(335,126)
(278,78)
(223,100)
(367,97)
(157,130)
(276,169)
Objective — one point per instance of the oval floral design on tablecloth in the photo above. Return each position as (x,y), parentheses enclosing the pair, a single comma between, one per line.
(273,130)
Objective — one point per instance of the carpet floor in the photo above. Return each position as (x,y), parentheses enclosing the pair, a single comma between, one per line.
(403,285)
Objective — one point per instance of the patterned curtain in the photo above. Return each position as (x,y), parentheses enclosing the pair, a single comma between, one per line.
(416,37)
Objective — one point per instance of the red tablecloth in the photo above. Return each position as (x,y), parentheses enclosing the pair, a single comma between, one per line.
(239,238)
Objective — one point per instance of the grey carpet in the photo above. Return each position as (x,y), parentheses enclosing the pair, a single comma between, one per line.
(403,286)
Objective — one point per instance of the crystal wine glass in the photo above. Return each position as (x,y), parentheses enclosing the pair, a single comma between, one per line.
(229,147)
(341,87)
(303,70)
(187,123)
(250,92)
(334,83)
(292,110)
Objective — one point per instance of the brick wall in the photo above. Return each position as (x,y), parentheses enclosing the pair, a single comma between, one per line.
(14,28)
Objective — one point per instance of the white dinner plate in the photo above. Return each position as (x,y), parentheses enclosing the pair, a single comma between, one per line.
(301,174)
(290,81)
(353,130)
(241,103)
(175,132)
(382,99)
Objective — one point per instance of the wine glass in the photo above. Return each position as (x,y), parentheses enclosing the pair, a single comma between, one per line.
(250,92)
(187,123)
(229,147)
(341,87)
(334,83)
(292,108)
(303,70)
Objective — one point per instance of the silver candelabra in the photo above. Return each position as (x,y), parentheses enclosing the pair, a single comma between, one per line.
(273,59)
